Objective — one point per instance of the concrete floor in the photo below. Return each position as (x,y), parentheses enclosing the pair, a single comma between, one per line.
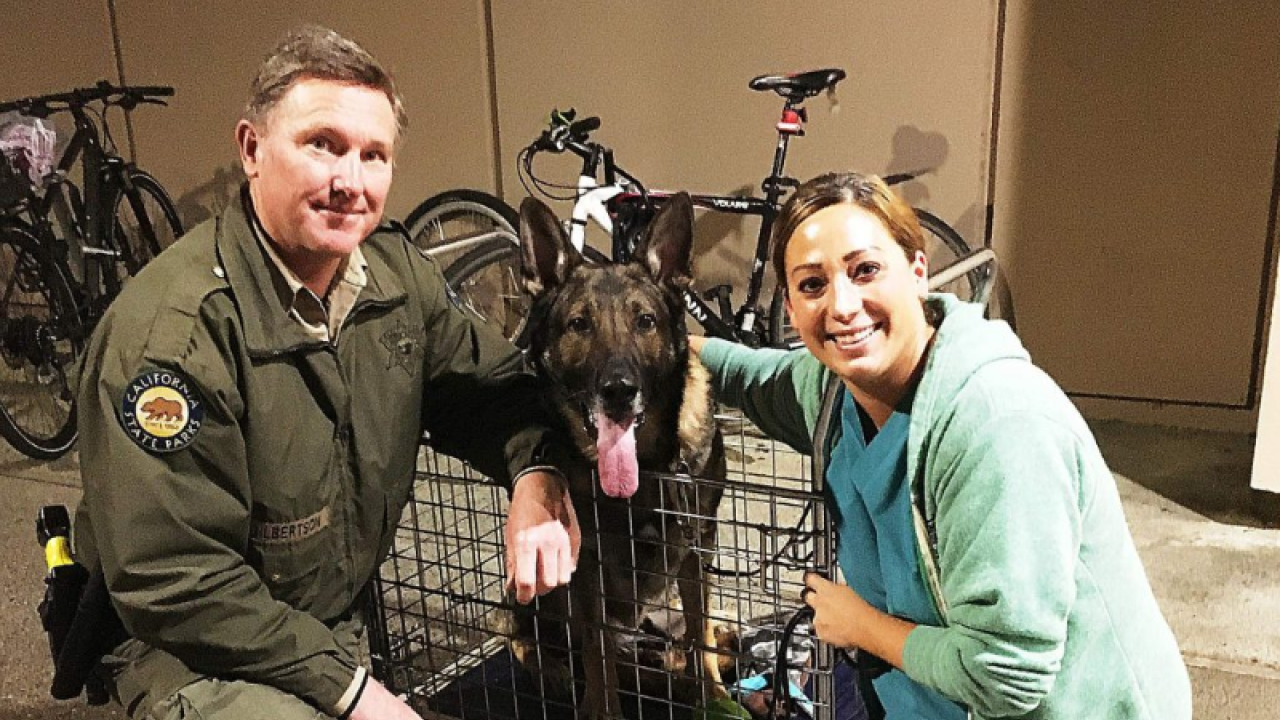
(1211,547)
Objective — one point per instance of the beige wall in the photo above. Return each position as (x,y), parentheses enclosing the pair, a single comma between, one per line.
(669,80)
(80,30)
(1137,156)
(209,51)
(31,32)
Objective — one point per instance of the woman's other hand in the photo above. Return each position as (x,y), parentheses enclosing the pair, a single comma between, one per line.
(842,618)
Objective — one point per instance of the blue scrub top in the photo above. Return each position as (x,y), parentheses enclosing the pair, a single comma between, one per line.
(877,549)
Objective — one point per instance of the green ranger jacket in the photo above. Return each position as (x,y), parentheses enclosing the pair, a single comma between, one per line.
(242,481)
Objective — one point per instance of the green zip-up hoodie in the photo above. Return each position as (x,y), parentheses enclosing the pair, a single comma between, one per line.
(1048,612)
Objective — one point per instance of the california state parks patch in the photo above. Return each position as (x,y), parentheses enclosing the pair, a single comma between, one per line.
(161,411)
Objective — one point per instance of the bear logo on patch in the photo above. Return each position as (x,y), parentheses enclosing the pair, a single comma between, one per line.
(161,411)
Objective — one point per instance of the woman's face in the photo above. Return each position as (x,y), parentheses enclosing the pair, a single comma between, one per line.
(854,297)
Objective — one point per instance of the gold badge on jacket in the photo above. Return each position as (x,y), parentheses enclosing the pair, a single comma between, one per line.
(161,411)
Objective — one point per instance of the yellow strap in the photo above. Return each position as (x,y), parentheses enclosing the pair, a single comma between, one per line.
(57,552)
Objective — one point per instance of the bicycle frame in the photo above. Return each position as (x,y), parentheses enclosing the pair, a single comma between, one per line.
(599,203)
(83,211)
(102,171)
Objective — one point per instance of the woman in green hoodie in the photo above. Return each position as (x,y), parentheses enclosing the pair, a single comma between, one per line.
(981,535)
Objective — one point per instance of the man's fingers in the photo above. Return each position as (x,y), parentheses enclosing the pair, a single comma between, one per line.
(570,520)
(566,562)
(548,570)
(526,571)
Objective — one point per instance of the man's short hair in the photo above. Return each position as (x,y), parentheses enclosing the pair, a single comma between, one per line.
(312,52)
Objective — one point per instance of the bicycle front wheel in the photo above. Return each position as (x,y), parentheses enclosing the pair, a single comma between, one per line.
(944,246)
(454,223)
(41,337)
(144,222)
(488,285)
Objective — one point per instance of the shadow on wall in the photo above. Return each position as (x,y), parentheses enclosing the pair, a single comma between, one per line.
(724,244)
(916,153)
(209,198)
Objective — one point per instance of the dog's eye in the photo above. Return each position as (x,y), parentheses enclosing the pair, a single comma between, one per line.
(647,321)
(579,324)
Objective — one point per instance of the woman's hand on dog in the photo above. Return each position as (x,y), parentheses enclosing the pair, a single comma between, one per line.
(842,618)
(542,535)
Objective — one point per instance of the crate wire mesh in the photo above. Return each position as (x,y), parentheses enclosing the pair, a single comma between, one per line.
(443,627)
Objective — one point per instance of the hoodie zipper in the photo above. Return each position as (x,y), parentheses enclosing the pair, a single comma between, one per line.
(926,532)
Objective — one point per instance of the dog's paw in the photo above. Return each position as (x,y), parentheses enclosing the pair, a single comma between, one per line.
(553,674)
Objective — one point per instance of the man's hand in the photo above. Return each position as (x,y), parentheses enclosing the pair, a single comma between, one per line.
(542,536)
(377,703)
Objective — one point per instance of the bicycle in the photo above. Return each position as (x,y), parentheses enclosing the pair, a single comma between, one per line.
(621,206)
(460,229)
(65,253)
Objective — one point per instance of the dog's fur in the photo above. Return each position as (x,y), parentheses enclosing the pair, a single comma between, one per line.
(613,341)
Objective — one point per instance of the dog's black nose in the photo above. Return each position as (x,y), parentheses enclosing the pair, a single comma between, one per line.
(618,394)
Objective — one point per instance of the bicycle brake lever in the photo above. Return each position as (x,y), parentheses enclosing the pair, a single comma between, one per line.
(561,118)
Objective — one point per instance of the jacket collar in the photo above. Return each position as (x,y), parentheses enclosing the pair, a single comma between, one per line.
(264,310)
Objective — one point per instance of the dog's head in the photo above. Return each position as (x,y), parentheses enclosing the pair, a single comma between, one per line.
(612,338)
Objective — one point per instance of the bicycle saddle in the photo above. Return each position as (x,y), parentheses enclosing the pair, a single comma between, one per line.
(798,86)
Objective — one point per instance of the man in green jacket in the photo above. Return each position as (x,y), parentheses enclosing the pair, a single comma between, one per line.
(251,408)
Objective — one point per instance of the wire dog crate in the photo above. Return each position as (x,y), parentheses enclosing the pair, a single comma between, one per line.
(443,629)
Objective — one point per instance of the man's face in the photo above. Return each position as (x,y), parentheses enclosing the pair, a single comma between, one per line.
(319,168)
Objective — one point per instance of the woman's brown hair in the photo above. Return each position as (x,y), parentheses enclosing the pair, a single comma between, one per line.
(868,192)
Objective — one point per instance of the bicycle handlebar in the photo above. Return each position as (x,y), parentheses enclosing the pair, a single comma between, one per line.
(563,136)
(126,96)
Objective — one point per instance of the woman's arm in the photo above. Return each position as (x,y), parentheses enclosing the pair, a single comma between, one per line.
(1009,534)
(779,391)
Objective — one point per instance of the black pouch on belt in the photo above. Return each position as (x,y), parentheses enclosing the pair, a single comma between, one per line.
(94,632)
(76,613)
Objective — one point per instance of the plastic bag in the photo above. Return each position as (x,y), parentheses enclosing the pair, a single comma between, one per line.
(29,145)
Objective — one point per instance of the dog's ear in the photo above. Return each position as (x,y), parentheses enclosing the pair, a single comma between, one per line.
(546,254)
(669,243)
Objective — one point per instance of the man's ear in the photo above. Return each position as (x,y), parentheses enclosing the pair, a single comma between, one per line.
(249,145)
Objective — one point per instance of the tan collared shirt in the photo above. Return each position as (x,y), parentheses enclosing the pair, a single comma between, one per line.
(321,318)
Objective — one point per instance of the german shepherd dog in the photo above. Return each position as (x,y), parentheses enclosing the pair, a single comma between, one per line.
(612,340)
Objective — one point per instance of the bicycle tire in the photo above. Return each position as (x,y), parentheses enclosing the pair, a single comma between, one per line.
(942,245)
(144,221)
(41,337)
(451,224)
(487,283)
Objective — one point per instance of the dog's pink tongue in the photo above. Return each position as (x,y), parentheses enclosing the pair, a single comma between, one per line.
(616,447)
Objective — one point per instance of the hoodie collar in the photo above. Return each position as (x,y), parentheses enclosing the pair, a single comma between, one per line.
(965,342)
